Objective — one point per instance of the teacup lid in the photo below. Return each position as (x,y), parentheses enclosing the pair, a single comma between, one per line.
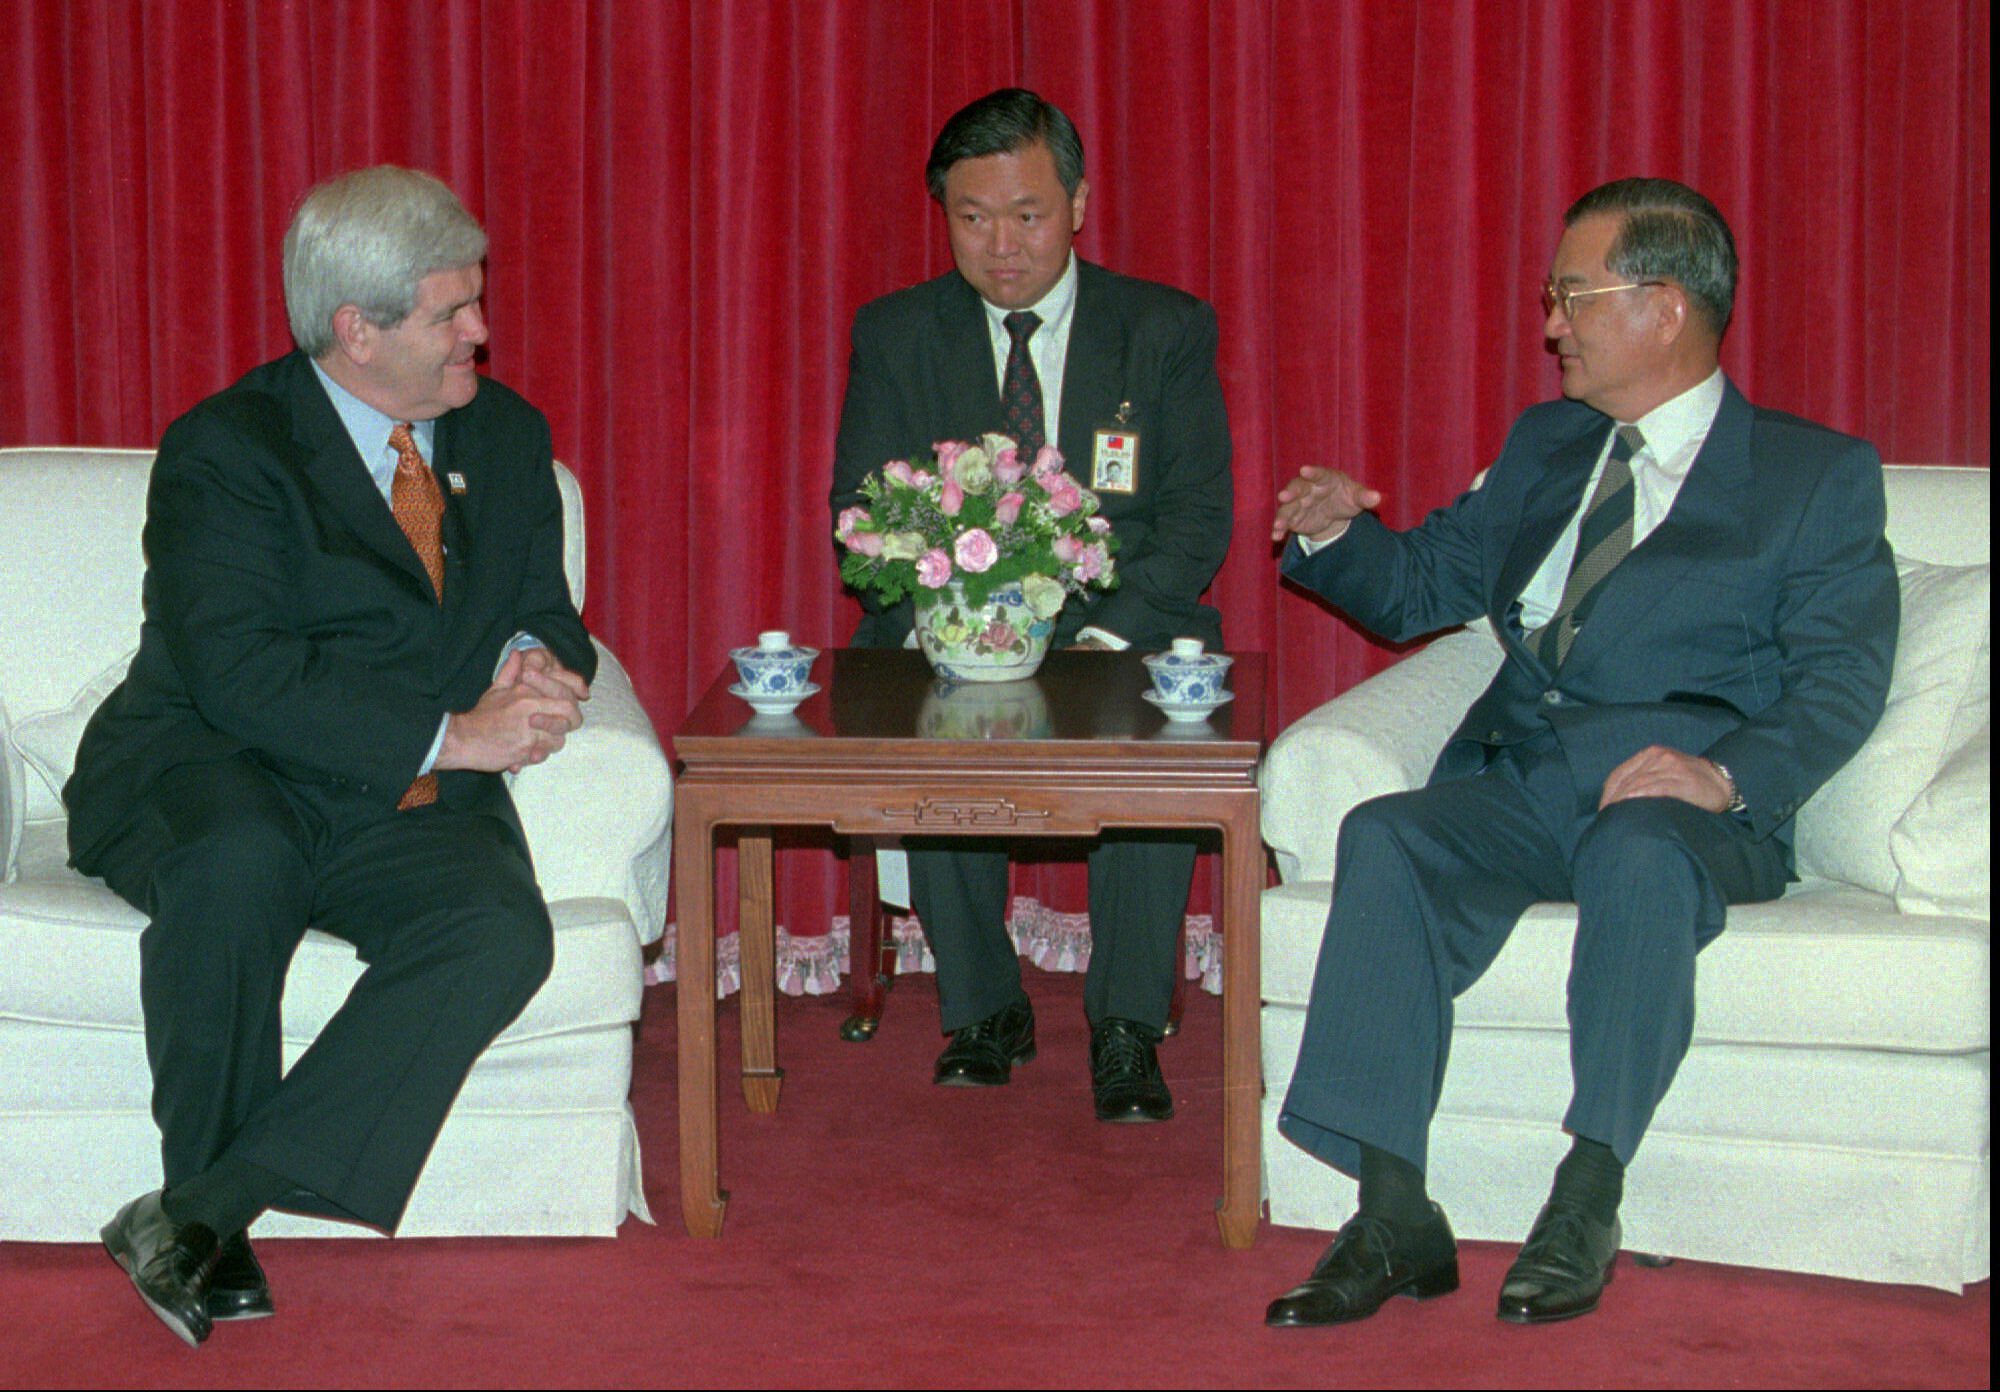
(1186,654)
(773,645)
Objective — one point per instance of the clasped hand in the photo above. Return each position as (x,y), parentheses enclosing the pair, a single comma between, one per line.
(532,706)
(1319,504)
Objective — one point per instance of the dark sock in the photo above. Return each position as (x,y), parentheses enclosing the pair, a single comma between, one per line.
(1393,1188)
(1592,1178)
(226,1197)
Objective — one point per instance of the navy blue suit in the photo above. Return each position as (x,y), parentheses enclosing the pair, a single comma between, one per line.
(1756,626)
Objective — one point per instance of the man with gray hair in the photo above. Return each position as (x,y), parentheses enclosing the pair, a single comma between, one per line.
(356,621)
(1698,613)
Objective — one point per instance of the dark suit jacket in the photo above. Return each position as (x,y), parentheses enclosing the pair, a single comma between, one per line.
(287,615)
(922,371)
(1756,625)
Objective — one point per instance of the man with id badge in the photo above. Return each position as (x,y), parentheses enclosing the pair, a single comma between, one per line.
(1024,339)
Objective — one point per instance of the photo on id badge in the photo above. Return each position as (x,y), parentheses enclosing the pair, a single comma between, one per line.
(1114,465)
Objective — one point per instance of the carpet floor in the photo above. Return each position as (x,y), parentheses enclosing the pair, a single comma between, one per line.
(884,1232)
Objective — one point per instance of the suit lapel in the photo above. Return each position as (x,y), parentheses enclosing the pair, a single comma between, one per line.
(1708,507)
(342,480)
(1546,510)
(1093,369)
(452,457)
(961,353)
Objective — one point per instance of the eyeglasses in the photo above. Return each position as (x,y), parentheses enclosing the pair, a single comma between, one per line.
(1556,296)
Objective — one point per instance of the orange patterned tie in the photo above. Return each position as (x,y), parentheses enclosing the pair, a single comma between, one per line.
(419,507)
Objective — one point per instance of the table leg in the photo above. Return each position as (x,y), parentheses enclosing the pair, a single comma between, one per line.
(702,1202)
(1242,1075)
(756,938)
(867,982)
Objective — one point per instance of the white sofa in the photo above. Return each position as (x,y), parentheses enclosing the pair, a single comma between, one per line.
(541,1140)
(1833,1113)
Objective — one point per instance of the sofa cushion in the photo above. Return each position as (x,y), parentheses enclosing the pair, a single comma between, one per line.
(47,741)
(72,951)
(1939,695)
(1943,846)
(1825,965)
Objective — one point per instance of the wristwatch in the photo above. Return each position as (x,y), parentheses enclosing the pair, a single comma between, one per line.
(1736,802)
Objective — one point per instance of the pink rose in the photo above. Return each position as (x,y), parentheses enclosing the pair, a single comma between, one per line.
(1068,549)
(975,551)
(898,471)
(998,635)
(933,569)
(948,452)
(1098,525)
(922,478)
(1065,495)
(1008,508)
(864,543)
(952,499)
(1090,564)
(1008,468)
(850,520)
(1048,460)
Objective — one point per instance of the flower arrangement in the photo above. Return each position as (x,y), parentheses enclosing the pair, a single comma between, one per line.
(980,516)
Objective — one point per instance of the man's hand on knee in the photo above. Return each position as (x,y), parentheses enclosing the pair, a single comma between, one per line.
(1657,771)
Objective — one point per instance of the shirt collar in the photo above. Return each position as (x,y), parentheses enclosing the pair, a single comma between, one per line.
(368,427)
(1669,426)
(1052,309)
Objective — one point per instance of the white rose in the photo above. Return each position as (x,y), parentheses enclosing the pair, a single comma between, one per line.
(1044,596)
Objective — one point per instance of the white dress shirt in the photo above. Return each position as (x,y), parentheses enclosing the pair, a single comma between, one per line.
(1049,347)
(369,429)
(1674,432)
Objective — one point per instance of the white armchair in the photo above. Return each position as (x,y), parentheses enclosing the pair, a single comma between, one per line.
(1833,1114)
(541,1140)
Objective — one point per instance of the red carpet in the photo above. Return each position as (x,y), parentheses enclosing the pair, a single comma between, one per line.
(885,1232)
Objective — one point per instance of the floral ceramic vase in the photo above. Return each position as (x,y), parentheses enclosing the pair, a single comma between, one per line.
(998,641)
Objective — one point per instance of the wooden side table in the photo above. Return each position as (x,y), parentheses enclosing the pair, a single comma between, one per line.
(882,749)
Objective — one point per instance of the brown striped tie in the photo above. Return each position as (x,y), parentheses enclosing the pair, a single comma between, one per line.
(1604,539)
(419,507)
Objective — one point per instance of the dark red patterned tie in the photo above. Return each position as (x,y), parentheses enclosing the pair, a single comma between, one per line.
(1021,392)
(418,503)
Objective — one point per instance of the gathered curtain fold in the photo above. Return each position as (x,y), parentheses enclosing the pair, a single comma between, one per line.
(688,201)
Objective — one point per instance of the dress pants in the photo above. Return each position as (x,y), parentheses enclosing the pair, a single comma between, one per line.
(232,864)
(1427,886)
(1138,898)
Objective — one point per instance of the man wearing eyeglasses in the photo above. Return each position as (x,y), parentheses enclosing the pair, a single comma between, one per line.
(1698,614)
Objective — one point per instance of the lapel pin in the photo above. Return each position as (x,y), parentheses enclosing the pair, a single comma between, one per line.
(457,482)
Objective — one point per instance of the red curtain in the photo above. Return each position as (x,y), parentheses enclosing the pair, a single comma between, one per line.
(687,202)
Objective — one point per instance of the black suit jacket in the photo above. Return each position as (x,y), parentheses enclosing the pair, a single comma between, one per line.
(1756,625)
(287,615)
(922,371)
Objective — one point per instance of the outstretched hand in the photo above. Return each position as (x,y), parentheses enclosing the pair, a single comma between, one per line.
(1319,504)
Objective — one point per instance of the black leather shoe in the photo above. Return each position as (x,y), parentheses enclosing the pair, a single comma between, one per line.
(1563,1268)
(1125,1079)
(984,1054)
(171,1264)
(1370,1260)
(239,1290)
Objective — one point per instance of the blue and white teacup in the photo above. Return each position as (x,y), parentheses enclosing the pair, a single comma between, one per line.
(1186,675)
(774,667)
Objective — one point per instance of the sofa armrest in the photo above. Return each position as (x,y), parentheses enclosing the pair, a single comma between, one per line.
(599,814)
(13,797)
(1380,736)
